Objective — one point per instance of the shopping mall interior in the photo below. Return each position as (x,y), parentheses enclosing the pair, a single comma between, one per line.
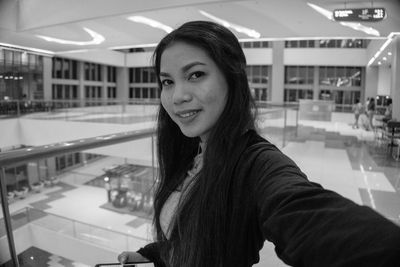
(79,102)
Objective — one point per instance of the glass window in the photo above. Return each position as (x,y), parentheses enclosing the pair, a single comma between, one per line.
(74,69)
(87,91)
(302,75)
(247,44)
(87,71)
(93,72)
(303,43)
(58,68)
(145,73)
(325,95)
(152,93)
(145,93)
(66,68)
(138,76)
(67,92)
(53,91)
(74,91)
(59,91)
(138,92)
(291,74)
(305,94)
(77,158)
(99,72)
(310,75)
(32,60)
(152,76)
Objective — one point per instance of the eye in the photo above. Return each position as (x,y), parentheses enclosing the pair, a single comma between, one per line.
(196,75)
(166,82)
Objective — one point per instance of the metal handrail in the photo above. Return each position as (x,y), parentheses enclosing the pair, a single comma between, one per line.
(26,154)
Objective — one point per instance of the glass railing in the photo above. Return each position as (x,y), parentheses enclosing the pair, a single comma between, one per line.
(76,192)
(94,234)
(72,109)
(82,190)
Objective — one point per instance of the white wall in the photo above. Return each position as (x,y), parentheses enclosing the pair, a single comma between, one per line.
(371,81)
(142,59)
(325,57)
(101,56)
(384,80)
(258,56)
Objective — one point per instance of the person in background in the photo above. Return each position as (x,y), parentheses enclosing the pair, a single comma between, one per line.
(223,190)
(371,112)
(357,109)
(388,112)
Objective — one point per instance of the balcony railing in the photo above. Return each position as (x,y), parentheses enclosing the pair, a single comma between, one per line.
(74,228)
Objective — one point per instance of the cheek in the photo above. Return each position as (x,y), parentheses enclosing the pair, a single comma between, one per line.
(166,102)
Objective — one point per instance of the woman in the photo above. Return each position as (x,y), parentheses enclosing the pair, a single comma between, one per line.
(223,190)
(371,112)
(357,109)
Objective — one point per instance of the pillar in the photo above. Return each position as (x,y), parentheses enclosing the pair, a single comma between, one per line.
(278,71)
(395,84)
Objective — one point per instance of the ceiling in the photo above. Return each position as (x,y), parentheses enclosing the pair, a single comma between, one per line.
(23,21)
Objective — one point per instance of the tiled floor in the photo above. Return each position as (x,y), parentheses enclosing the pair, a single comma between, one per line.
(35,257)
(340,158)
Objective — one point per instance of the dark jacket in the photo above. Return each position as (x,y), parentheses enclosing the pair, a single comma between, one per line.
(310,226)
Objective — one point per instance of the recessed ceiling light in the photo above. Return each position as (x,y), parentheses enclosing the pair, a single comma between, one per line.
(96,39)
(151,22)
(389,39)
(379,63)
(389,53)
(249,32)
(384,58)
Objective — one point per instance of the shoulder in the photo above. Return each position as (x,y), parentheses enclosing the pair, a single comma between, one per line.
(264,154)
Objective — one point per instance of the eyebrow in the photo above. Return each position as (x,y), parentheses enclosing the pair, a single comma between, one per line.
(185,68)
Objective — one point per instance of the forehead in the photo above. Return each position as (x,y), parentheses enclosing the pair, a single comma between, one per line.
(181,53)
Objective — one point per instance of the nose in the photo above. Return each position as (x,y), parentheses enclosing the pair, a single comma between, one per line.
(181,94)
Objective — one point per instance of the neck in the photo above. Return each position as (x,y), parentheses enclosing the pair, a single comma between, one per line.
(203,145)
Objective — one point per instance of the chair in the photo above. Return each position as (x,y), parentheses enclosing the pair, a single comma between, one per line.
(37,187)
(392,133)
(10,196)
(21,194)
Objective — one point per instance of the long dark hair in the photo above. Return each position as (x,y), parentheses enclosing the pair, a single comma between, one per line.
(198,236)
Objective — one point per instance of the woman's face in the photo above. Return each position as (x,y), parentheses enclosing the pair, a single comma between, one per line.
(194,90)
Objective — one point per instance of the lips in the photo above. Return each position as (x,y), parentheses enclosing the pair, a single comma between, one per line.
(187,114)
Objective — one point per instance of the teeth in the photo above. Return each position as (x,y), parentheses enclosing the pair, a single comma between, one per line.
(185,115)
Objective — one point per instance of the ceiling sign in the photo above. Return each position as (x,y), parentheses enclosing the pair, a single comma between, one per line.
(360,14)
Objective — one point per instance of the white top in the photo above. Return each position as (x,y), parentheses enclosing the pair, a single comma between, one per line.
(170,207)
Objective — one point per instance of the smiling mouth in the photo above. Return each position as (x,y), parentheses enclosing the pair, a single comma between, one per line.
(187,114)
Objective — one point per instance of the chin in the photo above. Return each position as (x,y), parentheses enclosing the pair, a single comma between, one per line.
(190,134)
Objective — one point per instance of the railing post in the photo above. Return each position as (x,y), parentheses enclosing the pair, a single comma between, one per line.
(284,126)
(152,155)
(7,218)
(18,109)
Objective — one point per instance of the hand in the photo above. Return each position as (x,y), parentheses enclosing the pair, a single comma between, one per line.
(131,256)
